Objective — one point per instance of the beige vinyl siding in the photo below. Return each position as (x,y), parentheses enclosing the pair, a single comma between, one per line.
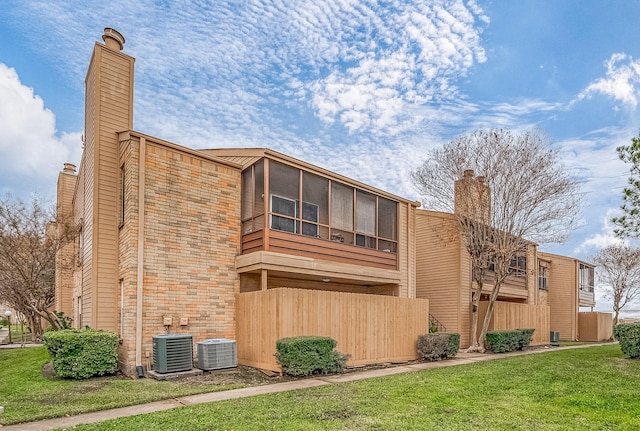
(65,258)
(407,249)
(109,104)
(464,297)
(563,285)
(438,271)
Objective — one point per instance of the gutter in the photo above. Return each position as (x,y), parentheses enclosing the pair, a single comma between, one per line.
(140,263)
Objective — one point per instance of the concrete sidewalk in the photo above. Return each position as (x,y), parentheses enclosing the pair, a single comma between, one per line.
(87,418)
(4,335)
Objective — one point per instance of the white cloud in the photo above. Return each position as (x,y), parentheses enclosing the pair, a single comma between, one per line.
(622,81)
(428,48)
(30,150)
(604,238)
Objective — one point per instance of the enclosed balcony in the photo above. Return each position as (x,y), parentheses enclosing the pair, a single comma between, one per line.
(304,225)
(586,285)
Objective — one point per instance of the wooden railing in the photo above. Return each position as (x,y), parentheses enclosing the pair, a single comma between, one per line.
(300,245)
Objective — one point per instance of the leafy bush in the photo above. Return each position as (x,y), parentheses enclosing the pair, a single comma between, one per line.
(433,327)
(4,322)
(508,341)
(303,356)
(82,353)
(628,334)
(434,347)
(526,335)
(454,344)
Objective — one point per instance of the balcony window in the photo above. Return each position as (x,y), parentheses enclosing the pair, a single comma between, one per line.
(518,266)
(542,278)
(586,278)
(312,205)
(252,210)
(341,207)
(288,210)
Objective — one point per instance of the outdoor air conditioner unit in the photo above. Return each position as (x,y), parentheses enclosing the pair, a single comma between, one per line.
(172,353)
(217,353)
(554,338)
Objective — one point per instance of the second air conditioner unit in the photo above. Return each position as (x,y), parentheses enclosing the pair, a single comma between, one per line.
(217,353)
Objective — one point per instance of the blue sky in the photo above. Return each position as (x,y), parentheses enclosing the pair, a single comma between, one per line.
(363,88)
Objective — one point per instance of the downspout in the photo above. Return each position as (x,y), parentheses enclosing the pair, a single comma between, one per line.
(140,271)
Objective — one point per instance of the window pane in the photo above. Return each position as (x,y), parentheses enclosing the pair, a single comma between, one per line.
(258,204)
(341,207)
(284,180)
(365,241)
(284,206)
(247,194)
(365,213)
(310,212)
(283,223)
(310,229)
(388,246)
(315,198)
(387,219)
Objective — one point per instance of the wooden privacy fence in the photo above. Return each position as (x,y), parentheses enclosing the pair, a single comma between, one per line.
(511,315)
(371,328)
(595,326)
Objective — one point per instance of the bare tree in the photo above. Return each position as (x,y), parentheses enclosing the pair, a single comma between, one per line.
(619,270)
(523,195)
(28,246)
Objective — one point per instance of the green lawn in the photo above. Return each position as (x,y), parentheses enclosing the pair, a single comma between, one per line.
(592,388)
(27,396)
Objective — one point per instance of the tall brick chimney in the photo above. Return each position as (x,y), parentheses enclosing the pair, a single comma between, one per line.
(472,197)
(108,111)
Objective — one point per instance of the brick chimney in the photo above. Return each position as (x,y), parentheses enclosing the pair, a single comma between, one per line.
(472,197)
(108,111)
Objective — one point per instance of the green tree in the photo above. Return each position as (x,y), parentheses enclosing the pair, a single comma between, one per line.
(628,225)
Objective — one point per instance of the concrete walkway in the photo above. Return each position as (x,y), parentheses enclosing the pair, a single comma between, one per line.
(4,336)
(87,418)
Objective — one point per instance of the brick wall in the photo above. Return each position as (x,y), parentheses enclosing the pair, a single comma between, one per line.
(191,240)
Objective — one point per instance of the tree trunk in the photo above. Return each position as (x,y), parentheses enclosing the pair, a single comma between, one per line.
(476,346)
(489,314)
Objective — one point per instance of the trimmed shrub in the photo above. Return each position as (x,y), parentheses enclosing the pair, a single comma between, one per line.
(434,347)
(82,353)
(526,335)
(628,334)
(306,355)
(508,341)
(454,344)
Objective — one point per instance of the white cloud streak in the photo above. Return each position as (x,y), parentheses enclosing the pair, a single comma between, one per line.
(622,81)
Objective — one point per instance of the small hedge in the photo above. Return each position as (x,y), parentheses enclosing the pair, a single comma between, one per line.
(628,334)
(434,347)
(303,356)
(82,353)
(509,341)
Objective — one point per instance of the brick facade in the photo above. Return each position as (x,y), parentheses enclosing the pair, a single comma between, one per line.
(191,239)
